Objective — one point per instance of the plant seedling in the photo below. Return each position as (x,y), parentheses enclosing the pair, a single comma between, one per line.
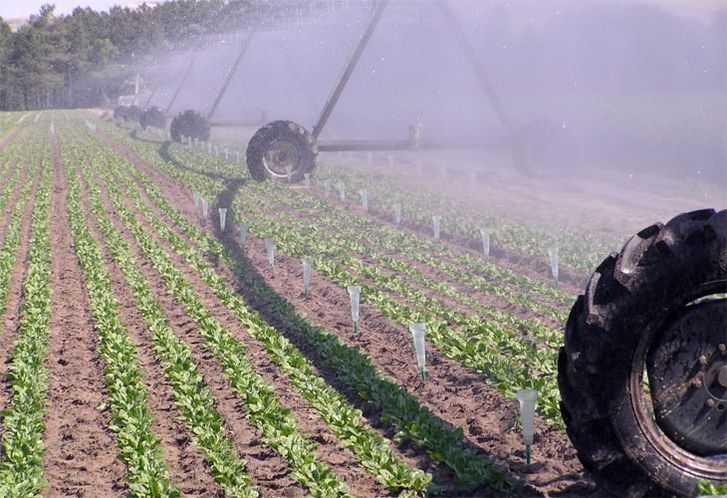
(417,332)
(205,208)
(223,218)
(270,250)
(364,199)
(243,235)
(306,275)
(397,213)
(437,220)
(553,255)
(485,241)
(354,292)
(527,398)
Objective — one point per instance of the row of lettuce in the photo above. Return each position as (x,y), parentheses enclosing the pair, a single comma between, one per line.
(413,423)
(407,279)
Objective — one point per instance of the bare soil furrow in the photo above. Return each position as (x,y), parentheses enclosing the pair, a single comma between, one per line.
(11,318)
(452,392)
(79,454)
(269,471)
(341,460)
(188,467)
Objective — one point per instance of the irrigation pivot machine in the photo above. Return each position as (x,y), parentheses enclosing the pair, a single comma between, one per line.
(643,372)
(287,150)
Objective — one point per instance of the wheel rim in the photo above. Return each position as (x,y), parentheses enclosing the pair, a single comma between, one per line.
(668,430)
(281,158)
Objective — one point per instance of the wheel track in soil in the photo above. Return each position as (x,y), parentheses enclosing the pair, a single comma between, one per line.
(79,457)
(342,461)
(11,316)
(453,393)
(269,471)
(187,465)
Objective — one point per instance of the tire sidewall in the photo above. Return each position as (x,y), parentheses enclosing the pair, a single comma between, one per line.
(662,282)
(282,130)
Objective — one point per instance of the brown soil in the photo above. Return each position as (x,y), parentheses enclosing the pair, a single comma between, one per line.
(342,461)
(451,392)
(269,471)
(436,275)
(80,457)
(188,467)
(11,316)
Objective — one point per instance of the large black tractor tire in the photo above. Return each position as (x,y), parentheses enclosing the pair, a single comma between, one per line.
(189,124)
(658,306)
(153,117)
(281,149)
(548,149)
(133,113)
(120,112)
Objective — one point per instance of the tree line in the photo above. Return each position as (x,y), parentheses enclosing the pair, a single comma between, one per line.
(87,58)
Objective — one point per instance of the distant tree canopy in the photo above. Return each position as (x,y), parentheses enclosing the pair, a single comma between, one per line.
(88,58)
(84,59)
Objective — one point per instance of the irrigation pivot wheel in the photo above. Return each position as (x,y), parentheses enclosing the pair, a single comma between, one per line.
(189,124)
(547,148)
(281,149)
(643,373)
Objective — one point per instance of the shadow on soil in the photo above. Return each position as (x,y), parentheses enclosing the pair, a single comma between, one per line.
(387,406)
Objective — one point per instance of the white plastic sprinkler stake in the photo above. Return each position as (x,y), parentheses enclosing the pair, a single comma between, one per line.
(342,191)
(368,158)
(270,249)
(223,218)
(196,200)
(237,156)
(306,179)
(243,235)
(217,151)
(354,292)
(417,332)
(306,275)
(437,224)
(327,188)
(397,213)
(527,412)
(227,153)
(485,241)
(364,199)
(205,207)
(553,254)
(189,141)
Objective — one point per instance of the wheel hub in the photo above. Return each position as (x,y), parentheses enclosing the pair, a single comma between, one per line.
(281,158)
(687,368)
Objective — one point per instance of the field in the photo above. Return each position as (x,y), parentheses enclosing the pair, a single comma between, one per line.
(150,351)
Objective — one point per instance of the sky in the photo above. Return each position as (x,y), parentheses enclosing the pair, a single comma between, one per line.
(12,9)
